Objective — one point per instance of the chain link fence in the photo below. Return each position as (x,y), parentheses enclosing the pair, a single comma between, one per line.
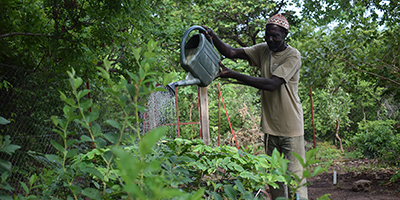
(30,101)
(28,105)
(33,99)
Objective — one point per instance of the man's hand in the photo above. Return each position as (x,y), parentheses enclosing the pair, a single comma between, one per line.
(209,33)
(224,72)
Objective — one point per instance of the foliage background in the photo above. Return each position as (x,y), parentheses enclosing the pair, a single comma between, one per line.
(351,62)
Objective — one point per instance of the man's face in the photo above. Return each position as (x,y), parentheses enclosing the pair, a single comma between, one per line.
(275,37)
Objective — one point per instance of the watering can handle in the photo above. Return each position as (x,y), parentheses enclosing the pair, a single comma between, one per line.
(186,34)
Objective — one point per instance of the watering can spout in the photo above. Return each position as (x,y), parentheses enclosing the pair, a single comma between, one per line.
(189,80)
(199,59)
(171,89)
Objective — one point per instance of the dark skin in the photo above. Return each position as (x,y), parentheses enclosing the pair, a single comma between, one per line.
(274,36)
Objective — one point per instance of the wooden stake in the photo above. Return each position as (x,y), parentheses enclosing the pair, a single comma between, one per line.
(204,121)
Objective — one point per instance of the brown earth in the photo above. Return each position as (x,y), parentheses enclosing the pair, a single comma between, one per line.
(350,171)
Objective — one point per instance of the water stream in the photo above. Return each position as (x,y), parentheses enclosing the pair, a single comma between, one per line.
(161,111)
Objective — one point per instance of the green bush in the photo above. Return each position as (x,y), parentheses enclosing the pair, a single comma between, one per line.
(5,165)
(377,139)
(122,163)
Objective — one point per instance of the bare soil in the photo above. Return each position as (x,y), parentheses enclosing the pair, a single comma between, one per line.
(350,171)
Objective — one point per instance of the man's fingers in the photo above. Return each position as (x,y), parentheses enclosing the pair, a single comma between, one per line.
(221,65)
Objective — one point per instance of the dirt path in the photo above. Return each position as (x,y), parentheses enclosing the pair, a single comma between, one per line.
(381,188)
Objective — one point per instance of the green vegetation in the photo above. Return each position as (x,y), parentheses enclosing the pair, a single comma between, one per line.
(123,165)
(92,65)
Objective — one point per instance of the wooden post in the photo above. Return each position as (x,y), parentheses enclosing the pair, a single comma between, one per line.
(204,122)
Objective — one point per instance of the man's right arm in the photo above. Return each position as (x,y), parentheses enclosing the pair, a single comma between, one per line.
(224,48)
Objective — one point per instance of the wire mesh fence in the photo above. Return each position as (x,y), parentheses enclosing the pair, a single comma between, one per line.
(33,99)
(28,106)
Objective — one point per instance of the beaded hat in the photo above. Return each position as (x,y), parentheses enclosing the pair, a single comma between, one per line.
(279,20)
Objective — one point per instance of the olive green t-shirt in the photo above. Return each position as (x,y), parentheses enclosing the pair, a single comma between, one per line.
(282,113)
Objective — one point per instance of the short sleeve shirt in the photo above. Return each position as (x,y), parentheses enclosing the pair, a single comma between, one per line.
(282,112)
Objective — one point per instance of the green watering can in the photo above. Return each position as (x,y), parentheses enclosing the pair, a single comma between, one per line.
(198,58)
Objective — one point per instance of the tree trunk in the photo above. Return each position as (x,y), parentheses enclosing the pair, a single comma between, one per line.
(337,135)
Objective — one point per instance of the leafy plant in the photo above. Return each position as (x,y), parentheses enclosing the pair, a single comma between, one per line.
(377,139)
(5,166)
(223,171)
(295,181)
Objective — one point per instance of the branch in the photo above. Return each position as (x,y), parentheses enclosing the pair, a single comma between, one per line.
(278,8)
(28,34)
(370,73)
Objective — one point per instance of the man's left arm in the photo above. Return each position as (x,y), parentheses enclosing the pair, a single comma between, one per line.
(268,84)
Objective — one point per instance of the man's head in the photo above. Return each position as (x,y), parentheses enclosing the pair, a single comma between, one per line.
(276,30)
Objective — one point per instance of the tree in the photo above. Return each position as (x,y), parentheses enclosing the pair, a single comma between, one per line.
(347,12)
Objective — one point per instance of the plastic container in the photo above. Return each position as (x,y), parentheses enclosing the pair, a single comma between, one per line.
(198,57)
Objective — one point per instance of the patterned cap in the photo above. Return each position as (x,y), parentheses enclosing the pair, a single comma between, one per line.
(279,20)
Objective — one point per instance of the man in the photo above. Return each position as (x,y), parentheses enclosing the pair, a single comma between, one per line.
(282,113)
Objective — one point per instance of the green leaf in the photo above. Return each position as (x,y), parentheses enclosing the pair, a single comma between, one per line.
(107,64)
(4,176)
(96,129)
(149,54)
(306,174)
(230,191)
(68,111)
(85,138)
(132,188)
(319,170)
(240,187)
(3,121)
(300,159)
(134,77)
(136,53)
(93,115)
(108,155)
(85,104)
(24,187)
(94,171)
(148,141)
(54,120)
(141,74)
(32,179)
(216,196)
(131,89)
(100,142)
(310,154)
(114,124)
(324,197)
(76,189)
(83,93)
(10,148)
(5,165)
(113,92)
(31,197)
(92,193)
(123,98)
(71,141)
(113,137)
(63,123)
(167,79)
(58,146)
(198,195)
(76,82)
(238,168)
(5,197)
(168,193)
(72,152)
(53,158)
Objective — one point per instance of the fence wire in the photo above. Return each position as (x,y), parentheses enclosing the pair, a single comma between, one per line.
(28,106)
(33,99)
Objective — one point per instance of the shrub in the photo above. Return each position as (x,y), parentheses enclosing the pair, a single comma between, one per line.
(377,139)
